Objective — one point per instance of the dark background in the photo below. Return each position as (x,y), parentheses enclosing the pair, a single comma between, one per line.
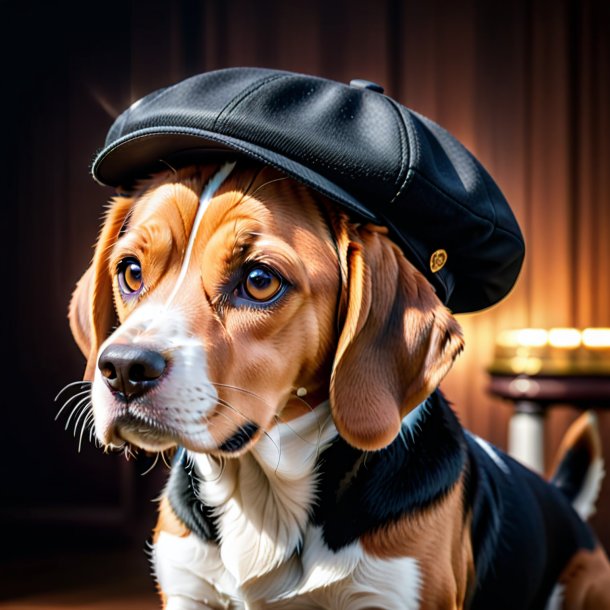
(524,84)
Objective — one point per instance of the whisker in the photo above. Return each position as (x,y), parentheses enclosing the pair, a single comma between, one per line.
(86,392)
(92,431)
(228,405)
(171,167)
(164,458)
(261,399)
(242,390)
(83,428)
(86,409)
(69,385)
(320,423)
(129,452)
(279,419)
(262,186)
(303,401)
(151,467)
(236,410)
(79,404)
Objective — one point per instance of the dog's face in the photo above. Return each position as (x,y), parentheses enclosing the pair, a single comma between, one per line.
(251,307)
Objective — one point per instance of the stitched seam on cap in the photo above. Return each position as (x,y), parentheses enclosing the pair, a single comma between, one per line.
(404,144)
(517,236)
(456,201)
(224,113)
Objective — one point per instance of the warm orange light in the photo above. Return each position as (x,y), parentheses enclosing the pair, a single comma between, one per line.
(596,337)
(564,337)
(526,337)
(528,366)
(557,351)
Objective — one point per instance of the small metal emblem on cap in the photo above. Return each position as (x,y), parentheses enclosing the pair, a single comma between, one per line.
(438,260)
(360,83)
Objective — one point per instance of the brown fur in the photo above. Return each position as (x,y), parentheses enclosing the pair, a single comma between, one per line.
(587,581)
(168,522)
(439,538)
(399,330)
(584,434)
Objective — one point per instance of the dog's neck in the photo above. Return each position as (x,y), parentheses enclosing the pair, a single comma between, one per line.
(303,475)
(263,499)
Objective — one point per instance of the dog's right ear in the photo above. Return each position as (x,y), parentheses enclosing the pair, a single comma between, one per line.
(397,341)
(91,311)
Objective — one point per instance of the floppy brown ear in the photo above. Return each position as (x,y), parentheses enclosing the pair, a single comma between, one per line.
(91,311)
(397,343)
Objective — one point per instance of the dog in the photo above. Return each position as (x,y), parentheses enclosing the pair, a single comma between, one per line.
(291,357)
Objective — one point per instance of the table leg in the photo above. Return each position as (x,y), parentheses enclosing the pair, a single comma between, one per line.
(526,435)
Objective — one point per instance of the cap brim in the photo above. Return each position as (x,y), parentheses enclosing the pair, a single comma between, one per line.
(140,153)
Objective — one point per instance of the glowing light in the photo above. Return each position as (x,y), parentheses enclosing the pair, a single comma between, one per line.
(596,337)
(529,366)
(556,351)
(564,337)
(526,337)
(532,337)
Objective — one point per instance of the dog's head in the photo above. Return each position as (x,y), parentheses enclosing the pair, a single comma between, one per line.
(249,304)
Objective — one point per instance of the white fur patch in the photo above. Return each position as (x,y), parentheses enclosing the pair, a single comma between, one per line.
(556,600)
(391,584)
(262,502)
(584,503)
(269,557)
(323,567)
(492,453)
(184,404)
(189,569)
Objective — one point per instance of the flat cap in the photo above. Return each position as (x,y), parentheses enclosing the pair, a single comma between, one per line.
(383,162)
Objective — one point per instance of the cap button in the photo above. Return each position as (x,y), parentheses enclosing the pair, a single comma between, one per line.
(360,83)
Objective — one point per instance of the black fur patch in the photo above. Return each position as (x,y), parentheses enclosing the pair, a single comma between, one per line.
(181,491)
(240,438)
(524,532)
(362,491)
(572,470)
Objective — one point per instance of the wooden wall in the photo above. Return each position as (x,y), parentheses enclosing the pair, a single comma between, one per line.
(524,84)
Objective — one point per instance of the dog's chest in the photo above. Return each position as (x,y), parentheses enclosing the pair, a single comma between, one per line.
(191,569)
(271,549)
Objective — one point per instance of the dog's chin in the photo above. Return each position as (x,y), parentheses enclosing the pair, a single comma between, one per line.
(150,435)
(147,435)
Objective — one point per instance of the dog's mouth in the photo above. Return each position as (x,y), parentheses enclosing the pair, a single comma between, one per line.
(148,433)
(145,432)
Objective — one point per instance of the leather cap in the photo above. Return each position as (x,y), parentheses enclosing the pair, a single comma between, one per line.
(383,162)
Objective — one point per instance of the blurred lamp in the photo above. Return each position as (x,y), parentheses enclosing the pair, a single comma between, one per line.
(535,368)
(557,351)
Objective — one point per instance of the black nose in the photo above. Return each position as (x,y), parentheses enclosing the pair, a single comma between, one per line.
(131,370)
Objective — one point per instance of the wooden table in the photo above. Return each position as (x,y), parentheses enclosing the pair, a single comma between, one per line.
(533,395)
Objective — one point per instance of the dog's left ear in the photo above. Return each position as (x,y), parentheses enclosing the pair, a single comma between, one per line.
(91,311)
(397,342)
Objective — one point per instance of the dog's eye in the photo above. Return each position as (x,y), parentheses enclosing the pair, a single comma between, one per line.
(129,272)
(261,284)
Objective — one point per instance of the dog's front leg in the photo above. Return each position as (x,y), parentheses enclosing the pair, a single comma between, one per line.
(189,574)
(188,569)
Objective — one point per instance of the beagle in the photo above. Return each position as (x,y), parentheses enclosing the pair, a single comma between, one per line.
(291,357)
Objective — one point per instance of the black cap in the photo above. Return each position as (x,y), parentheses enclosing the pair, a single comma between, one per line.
(383,162)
